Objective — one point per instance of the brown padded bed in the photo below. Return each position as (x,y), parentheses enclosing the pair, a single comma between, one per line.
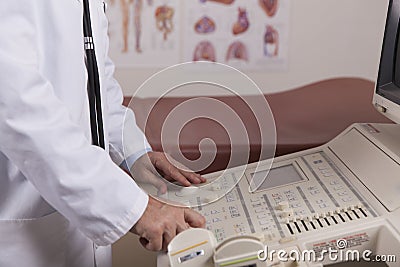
(305,117)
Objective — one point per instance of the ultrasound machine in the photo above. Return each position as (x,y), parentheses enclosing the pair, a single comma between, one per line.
(343,196)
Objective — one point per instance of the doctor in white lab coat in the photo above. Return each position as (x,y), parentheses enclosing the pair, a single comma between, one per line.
(63,201)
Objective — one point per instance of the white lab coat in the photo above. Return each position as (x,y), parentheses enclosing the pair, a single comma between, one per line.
(62,200)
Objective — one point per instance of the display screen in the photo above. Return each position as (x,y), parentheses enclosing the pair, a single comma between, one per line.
(275,177)
(388,84)
(397,60)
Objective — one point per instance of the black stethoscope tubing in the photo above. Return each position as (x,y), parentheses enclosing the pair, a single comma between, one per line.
(94,95)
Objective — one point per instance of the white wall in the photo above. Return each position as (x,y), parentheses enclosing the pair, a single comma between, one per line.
(328,38)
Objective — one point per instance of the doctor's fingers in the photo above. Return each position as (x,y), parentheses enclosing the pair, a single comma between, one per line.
(169,171)
(185,171)
(172,173)
(152,237)
(152,241)
(192,176)
(189,218)
(158,237)
(180,175)
(147,176)
(169,233)
(194,219)
(156,180)
(153,167)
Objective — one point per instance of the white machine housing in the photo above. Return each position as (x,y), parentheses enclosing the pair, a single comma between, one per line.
(346,189)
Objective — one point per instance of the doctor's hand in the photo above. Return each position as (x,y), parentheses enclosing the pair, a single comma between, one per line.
(154,167)
(160,223)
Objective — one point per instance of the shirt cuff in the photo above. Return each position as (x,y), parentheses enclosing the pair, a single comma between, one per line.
(127,221)
(130,160)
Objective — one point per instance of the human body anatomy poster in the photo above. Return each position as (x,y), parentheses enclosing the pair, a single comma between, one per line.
(144,33)
(246,34)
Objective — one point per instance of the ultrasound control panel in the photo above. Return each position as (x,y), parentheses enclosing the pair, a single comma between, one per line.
(310,194)
(311,200)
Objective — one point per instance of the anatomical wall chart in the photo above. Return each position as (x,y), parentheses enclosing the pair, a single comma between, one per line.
(144,33)
(246,34)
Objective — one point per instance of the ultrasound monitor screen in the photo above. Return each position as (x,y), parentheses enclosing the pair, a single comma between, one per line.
(388,85)
(397,64)
(279,176)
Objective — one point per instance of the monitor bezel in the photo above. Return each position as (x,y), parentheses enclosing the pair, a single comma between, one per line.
(386,103)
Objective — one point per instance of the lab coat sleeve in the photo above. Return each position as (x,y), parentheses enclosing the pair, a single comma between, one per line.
(127,141)
(37,135)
